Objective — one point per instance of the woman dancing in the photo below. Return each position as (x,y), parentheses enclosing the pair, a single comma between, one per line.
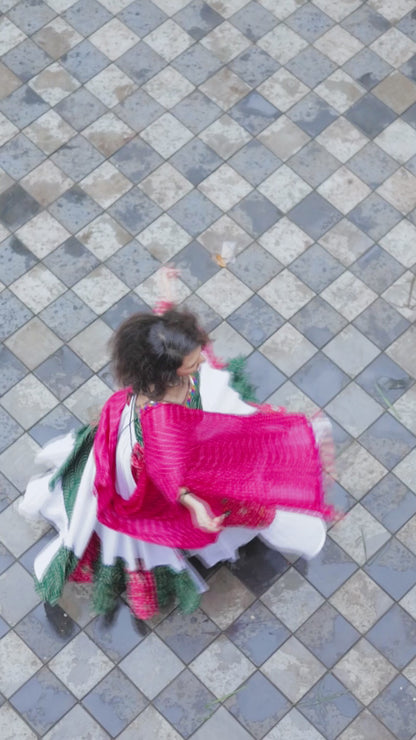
(178,466)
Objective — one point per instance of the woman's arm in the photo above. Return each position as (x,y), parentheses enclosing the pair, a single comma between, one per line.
(200,513)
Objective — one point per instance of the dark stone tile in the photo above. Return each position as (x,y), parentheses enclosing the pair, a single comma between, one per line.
(313,163)
(107,376)
(198,19)
(135,211)
(6,560)
(395,636)
(27,559)
(4,628)
(255,266)
(26,60)
(13,314)
(115,702)
(207,316)
(195,265)
(367,68)
(374,216)
(84,61)
(254,162)
(327,635)
(257,633)
(185,703)
(314,215)
(395,707)
(71,261)
(42,701)
(138,110)
(196,111)
(17,207)
(381,323)
(10,430)
(77,158)
(384,380)
(311,66)
(329,706)
(63,372)
(391,502)
(12,370)
(23,106)
(136,160)
(187,637)
(318,321)
(410,117)
(258,705)
(254,65)
(87,16)
(8,493)
(256,320)
(67,316)
(321,379)
(317,268)
(75,209)
(255,213)
(196,161)
(79,110)
(30,15)
(142,16)
(336,495)
(116,634)
(329,569)
(120,311)
(46,630)
(409,68)
(370,115)
(141,63)
(388,440)
(312,114)
(408,25)
(18,156)
(133,264)
(372,165)
(393,568)
(366,24)
(310,22)
(253,21)
(58,422)
(258,566)
(377,268)
(254,113)
(197,64)
(195,213)
(264,376)
(15,259)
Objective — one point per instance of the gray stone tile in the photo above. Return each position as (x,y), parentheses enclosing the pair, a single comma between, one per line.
(114,716)
(67,316)
(142,16)
(15,259)
(255,213)
(388,440)
(133,264)
(377,268)
(71,261)
(374,216)
(393,568)
(58,422)
(316,268)
(367,68)
(320,379)
(254,162)
(254,65)
(23,106)
(329,706)
(254,113)
(394,635)
(13,314)
(318,321)
(187,638)
(384,380)
(77,158)
(46,630)
(391,502)
(19,156)
(42,701)
(196,161)
(185,703)
(395,707)
(138,110)
(381,323)
(195,264)
(258,705)
(136,160)
(312,114)
(315,215)
(74,209)
(258,633)
(63,372)
(197,64)
(10,430)
(196,111)
(372,165)
(141,63)
(313,163)
(370,115)
(221,725)
(194,213)
(255,266)
(311,66)
(83,62)
(265,377)
(79,109)
(87,16)
(366,24)
(327,635)
(26,60)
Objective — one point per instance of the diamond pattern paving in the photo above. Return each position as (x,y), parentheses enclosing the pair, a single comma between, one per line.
(282,136)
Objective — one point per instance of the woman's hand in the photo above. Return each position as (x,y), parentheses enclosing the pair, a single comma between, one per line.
(201,515)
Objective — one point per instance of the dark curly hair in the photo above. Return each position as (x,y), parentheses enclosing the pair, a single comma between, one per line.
(147,350)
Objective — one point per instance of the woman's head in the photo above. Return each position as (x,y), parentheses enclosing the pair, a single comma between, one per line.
(150,352)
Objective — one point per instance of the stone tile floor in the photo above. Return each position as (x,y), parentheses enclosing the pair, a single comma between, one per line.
(282,134)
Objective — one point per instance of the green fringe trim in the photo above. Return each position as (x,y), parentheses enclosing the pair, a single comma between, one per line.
(170,584)
(109,583)
(239,379)
(71,470)
(60,568)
